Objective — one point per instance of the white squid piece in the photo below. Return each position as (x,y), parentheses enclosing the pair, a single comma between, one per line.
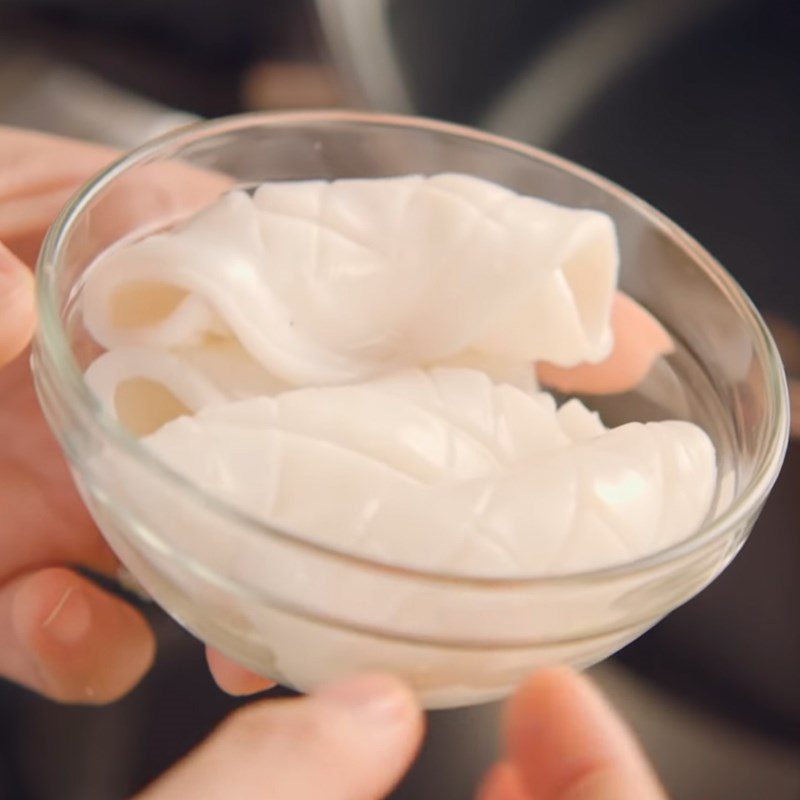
(444,469)
(144,387)
(335,282)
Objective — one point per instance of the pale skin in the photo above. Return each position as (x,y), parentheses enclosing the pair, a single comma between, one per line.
(63,636)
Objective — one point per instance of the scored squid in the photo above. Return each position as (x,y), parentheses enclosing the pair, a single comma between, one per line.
(333,282)
(358,361)
(444,469)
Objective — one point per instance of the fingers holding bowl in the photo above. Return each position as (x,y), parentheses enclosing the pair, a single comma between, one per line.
(68,639)
(352,740)
(232,677)
(566,742)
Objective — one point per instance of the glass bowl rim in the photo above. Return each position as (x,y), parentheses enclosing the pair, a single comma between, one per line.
(52,352)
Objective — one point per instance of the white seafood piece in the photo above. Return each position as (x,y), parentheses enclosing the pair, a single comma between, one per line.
(578,422)
(512,423)
(445,470)
(511,371)
(232,370)
(334,282)
(609,499)
(202,280)
(144,387)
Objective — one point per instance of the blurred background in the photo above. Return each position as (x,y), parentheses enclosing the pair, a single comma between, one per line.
(692,104)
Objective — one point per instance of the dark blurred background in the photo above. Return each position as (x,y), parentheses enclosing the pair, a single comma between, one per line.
(692,104)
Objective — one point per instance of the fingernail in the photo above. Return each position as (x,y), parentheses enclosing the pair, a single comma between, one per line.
(377,697)
(69,621)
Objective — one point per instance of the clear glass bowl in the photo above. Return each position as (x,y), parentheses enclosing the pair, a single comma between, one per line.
(303,613)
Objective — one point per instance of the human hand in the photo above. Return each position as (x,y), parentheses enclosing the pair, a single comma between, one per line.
(60,634)
(355,739)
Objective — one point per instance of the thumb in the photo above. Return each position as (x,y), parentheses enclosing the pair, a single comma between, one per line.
(17,313)
(352,740)
(565,742)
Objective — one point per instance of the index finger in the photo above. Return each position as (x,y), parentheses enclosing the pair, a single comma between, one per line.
(38,174)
